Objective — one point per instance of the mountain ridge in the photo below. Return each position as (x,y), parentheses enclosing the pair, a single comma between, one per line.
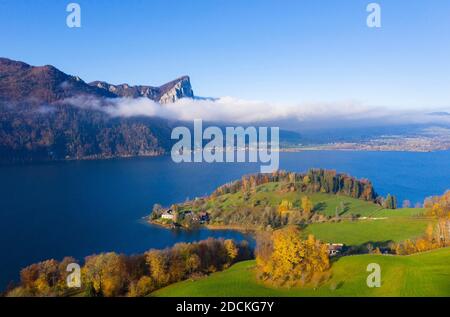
(166,93)
(21,82)
(38,123)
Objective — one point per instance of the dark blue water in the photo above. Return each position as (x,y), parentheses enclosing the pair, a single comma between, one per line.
(78,208)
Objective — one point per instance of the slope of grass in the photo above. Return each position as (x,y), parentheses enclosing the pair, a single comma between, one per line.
(401,212)
(326,204)
(358,232)
(323,203)
(425,274)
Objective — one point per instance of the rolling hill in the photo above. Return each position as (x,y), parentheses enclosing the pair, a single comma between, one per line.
(374,231)
(424,274)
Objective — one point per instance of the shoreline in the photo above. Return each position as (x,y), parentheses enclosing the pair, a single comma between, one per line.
(231,227)
(212,227)
(160,224)
(312,148)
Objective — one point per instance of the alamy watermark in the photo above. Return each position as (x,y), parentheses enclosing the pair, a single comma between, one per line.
(73,19)
(262,146)
(374,278)
(374,17)
(74,277)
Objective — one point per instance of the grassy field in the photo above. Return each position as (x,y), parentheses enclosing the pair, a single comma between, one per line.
(359,232)
(425,274)
(401,212)
(323,203)
(389,225)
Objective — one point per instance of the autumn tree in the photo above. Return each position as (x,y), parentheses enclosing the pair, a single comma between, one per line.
(144,286)
(43,278)
(193,263)
(406,204)
(430,201)
(436,234)
(232,250)
(390,202)
(157,211)
(307,205)
(106,272)
(110,274)
(29,275)
(285,206)
(136,266)
(158,266)
(264,250)
(440,208)
(286,259)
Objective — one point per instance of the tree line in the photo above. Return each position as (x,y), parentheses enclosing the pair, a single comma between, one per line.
(313,181)
(437,234)
(111,274)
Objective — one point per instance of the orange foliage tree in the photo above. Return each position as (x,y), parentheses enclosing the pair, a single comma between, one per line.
(285,259)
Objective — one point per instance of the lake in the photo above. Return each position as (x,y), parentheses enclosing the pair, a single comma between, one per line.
(77,208)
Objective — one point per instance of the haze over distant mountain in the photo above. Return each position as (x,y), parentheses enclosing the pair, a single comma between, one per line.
(440,114)
(46,114)
(36,122)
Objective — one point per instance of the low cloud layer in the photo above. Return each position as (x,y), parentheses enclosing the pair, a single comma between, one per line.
(233,110)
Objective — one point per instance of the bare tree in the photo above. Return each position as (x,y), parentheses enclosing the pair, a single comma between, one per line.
(406,204)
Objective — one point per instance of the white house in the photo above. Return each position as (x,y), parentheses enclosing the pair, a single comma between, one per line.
(167,215)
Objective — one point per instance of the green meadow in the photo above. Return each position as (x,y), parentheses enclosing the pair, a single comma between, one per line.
(359,223)
(325,204)
(375,224)
(362,231)
(424,274)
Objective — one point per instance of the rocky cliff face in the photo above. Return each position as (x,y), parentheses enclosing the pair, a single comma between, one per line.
(167,93)
(36,124)
(177,89)
(124,90)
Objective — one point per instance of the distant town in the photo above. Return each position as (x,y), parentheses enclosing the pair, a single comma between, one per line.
(432,139)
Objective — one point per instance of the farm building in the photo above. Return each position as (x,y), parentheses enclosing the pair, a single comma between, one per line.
(335,248)
(168,215)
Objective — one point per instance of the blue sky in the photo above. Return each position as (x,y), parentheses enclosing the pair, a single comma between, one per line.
(288,51)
